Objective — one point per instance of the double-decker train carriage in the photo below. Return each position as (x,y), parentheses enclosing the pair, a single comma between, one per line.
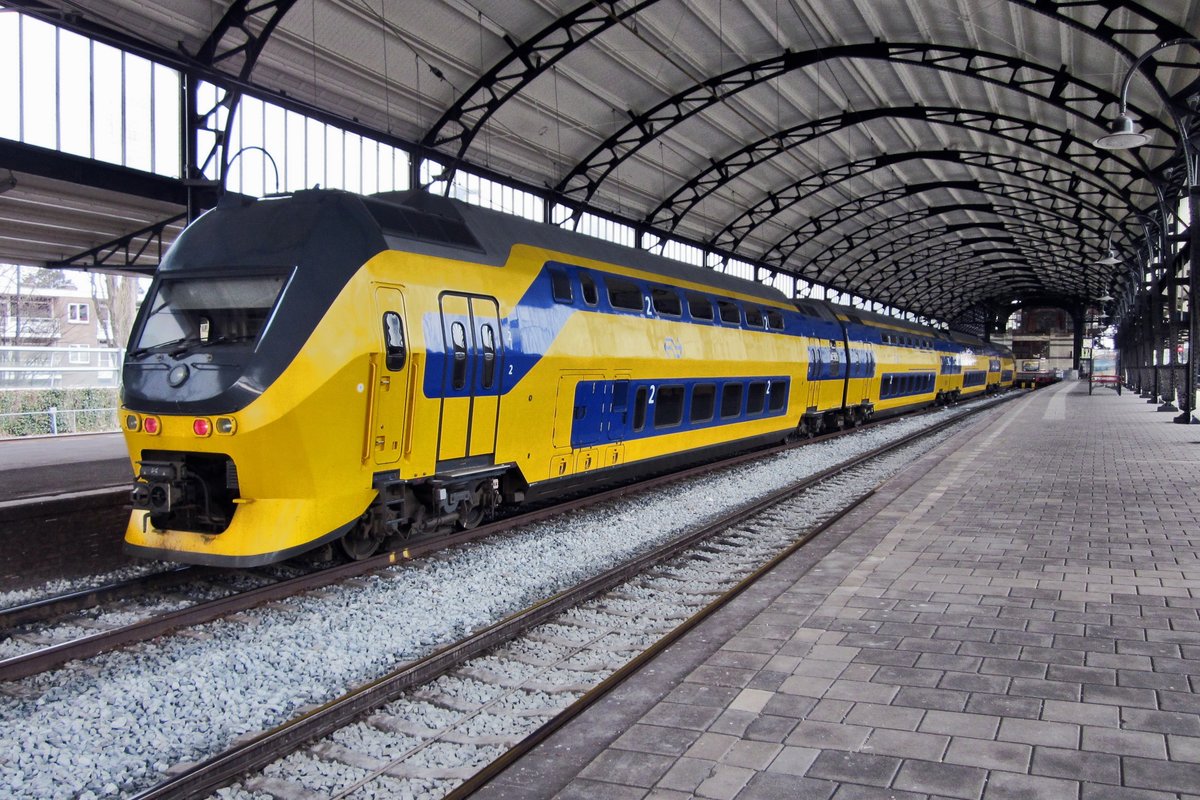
(322,367)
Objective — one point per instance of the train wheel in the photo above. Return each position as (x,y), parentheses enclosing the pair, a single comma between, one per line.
(470,513)
(362,540)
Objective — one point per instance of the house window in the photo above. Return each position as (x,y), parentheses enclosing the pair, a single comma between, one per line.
(78,312)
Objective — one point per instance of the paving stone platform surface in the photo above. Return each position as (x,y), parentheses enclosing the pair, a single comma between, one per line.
(1016,616)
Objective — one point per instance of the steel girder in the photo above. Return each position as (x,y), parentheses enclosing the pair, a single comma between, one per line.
(1054,143)
(526,61)
(20,157)
(1053,86)
(910,270)
(123,253)
(1066,183)
(1073,208)
(236,42)
(1026,216)
(911,257)
(1053,243)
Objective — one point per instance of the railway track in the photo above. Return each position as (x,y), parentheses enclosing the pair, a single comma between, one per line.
(30,644)
(447,723)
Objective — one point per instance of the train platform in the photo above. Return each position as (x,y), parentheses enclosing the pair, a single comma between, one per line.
(63,507)
(1016,616)
(49,465)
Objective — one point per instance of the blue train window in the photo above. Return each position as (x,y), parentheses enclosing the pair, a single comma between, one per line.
(731,400)
(624,294)
(639,409)
(393,339)
(458,340)
(668,406)
(754,318)
(774,320)
(489,355)
(666,302)
(704,397)
(777,396)
(756,399)
(560,286)
(590,295)
(730,313)
(700,307)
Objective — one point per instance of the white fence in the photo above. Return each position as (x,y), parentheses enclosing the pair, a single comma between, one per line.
(46,391)
(69,367)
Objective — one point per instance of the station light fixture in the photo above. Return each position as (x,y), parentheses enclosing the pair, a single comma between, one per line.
(1123,134)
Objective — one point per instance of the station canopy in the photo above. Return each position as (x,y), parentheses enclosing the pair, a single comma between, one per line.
(936,157)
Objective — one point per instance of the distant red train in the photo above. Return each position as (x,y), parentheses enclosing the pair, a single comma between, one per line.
(1033,373)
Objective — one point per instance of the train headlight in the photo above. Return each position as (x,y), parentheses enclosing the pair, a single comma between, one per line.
(132,423)
(178,375)
(226,426)
(202,427)
(152,426)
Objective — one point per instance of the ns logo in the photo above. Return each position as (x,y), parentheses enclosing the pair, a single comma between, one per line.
(673,347)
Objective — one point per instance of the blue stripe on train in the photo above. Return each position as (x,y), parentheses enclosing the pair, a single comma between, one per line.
(905,384)
(533,325)
(613,411)
(974,378)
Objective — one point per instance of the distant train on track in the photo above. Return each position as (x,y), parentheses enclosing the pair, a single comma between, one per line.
(328,369)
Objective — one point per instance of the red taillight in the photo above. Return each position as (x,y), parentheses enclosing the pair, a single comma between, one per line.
(201,426)
(150,425)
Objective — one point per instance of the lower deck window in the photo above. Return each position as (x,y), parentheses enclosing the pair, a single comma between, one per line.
(731,400)
(703,400)
(778,396)
(668,407)
(757,397)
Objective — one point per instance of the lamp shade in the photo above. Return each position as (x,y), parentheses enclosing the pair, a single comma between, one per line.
(1124,134)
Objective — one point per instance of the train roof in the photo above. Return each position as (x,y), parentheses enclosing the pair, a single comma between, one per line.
(418,221)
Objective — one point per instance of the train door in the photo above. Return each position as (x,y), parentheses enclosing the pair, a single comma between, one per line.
(390,371)
(814,376)
(472,355)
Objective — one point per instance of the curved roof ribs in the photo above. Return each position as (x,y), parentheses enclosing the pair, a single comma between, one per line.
(1088,188)
(1054,143)
(1054,86)
(526,61)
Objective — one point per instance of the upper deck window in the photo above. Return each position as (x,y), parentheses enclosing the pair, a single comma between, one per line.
(624,294)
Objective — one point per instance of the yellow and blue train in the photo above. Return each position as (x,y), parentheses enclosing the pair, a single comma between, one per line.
(323,368)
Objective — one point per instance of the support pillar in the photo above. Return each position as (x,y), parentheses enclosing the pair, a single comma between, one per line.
(1077,324)
(1154,324)
(1172,341)
(1188,400)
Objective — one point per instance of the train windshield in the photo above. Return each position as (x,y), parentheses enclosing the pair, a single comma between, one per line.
(196,312)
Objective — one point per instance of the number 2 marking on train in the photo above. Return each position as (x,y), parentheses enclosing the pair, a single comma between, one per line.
(510,369)
(650,402)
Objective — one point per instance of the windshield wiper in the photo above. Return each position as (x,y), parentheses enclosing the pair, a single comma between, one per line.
(183,344)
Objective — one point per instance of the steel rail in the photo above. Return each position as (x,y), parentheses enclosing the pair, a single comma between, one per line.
(84,599)
(255,752)
(34,662)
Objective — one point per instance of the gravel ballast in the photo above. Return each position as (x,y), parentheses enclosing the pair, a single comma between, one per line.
(114,724)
